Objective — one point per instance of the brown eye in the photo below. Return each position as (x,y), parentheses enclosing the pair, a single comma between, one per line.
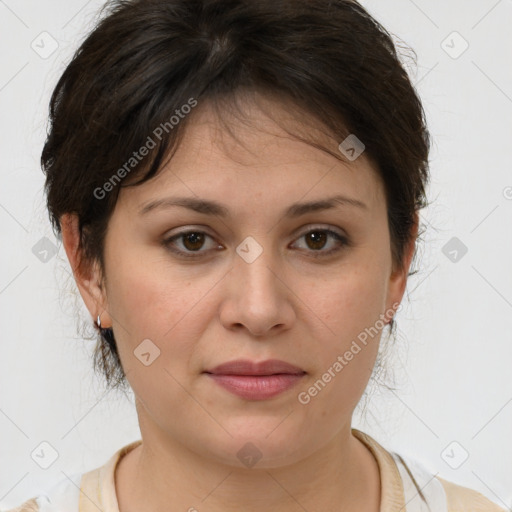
(193,241)
(316,239)
(189,244)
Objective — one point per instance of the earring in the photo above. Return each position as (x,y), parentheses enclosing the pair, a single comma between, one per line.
(107,334)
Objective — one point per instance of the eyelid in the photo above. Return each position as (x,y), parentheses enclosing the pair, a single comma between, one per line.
(303,230)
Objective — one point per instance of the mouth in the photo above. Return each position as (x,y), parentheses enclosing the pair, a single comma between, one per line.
(256,380)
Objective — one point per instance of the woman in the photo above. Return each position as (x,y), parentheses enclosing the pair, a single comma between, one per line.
(237,186)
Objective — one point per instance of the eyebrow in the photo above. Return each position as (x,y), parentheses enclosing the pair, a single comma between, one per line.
(214,208)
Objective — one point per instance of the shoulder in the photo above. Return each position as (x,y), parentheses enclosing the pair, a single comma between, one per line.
(30,505)
(462,499)
(63,495)
(445,495)
(67,495)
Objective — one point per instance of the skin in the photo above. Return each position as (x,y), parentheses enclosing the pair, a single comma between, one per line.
(205,311)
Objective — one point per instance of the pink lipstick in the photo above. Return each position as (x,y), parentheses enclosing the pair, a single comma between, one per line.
(256,381)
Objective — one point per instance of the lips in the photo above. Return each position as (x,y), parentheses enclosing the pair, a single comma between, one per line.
(246,367)
(256,381)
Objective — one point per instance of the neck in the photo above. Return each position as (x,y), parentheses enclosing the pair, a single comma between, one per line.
(161,474)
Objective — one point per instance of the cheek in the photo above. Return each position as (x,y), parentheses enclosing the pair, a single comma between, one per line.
(346,303)
(169,309)
(345,319)
(345,365)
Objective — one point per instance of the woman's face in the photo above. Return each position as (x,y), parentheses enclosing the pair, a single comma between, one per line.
(267,279)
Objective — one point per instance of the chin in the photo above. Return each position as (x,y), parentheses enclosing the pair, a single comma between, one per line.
(263,444)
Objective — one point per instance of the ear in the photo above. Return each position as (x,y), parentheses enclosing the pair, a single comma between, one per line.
(398,278)
(87,276)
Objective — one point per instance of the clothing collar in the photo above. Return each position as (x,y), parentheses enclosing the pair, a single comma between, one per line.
(98,491)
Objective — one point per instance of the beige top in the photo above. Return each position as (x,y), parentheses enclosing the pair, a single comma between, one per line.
(98,488)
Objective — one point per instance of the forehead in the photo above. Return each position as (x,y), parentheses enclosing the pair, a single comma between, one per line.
(256,152)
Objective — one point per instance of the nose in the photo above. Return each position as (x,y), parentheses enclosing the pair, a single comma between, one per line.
(257,297)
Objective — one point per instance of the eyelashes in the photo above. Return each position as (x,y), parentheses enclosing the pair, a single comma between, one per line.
(192,241)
